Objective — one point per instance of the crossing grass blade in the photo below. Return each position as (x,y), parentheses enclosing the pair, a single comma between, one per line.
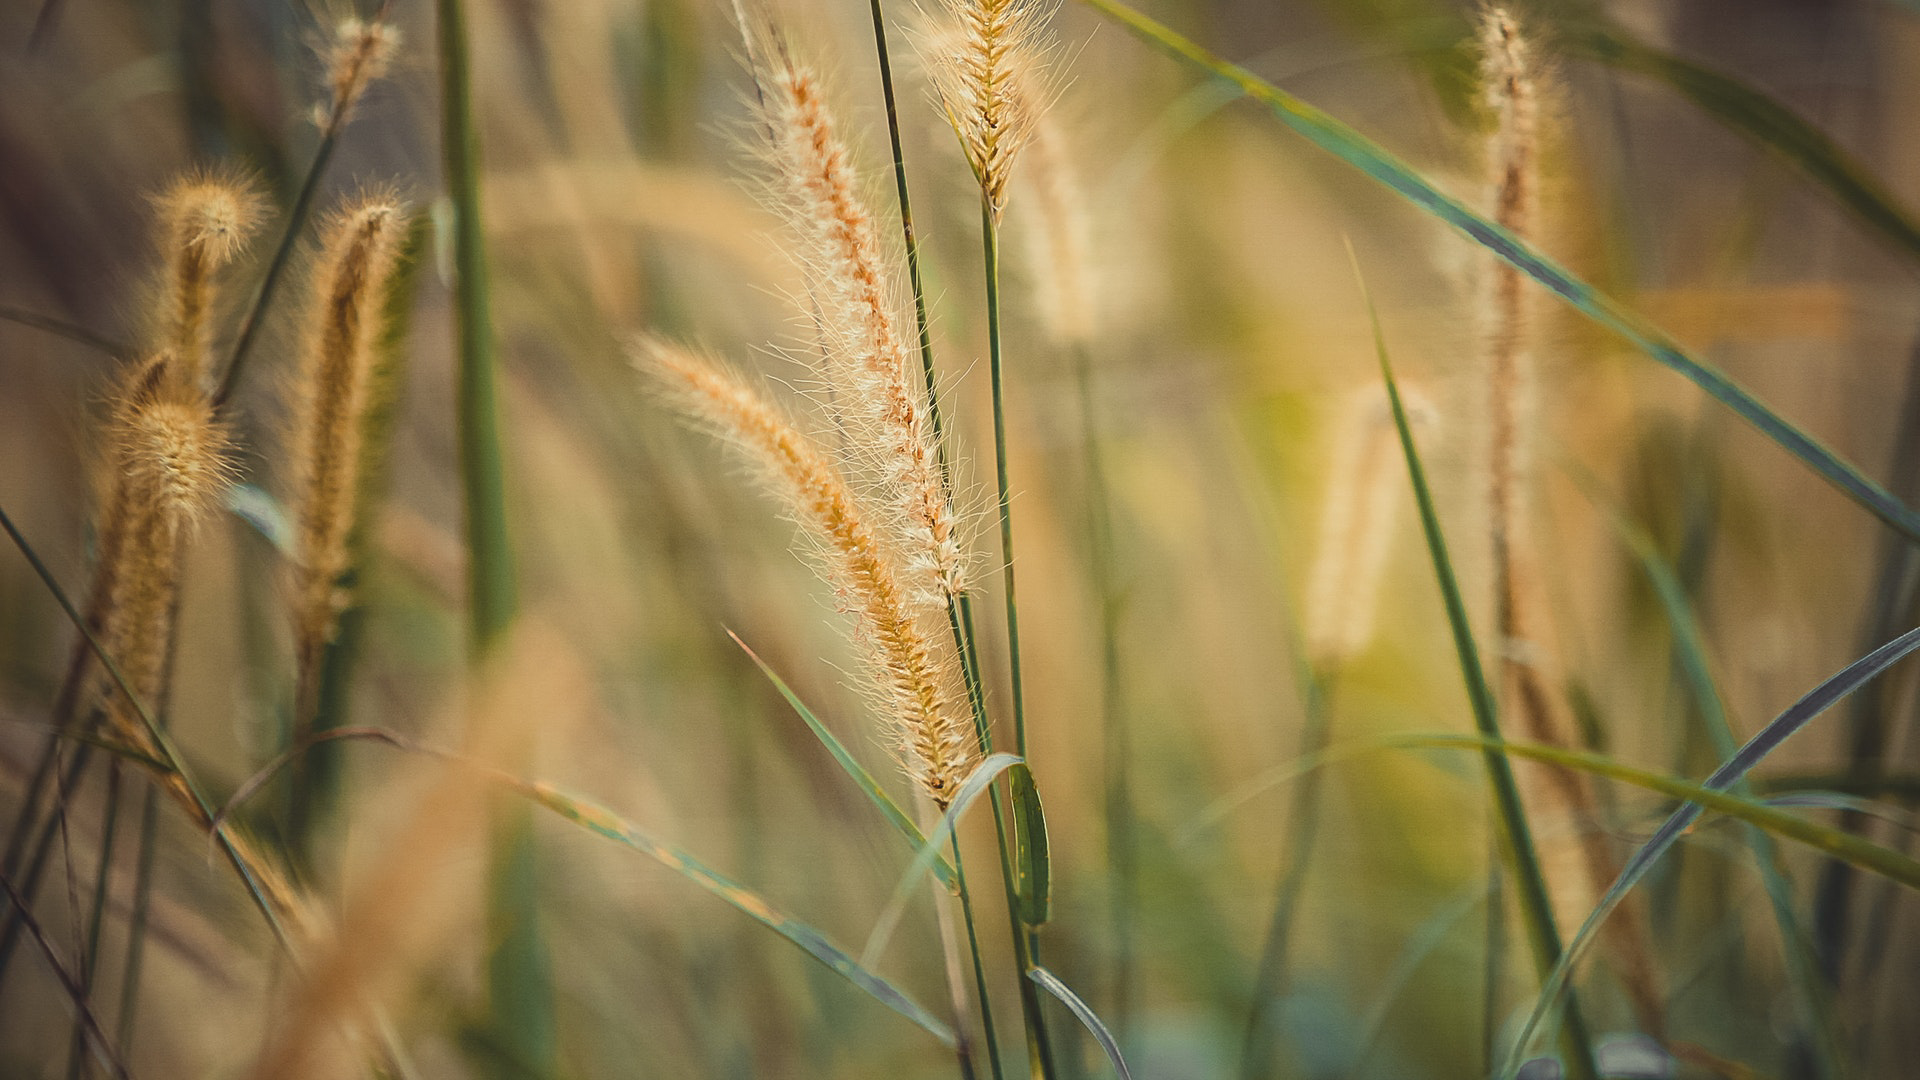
(1798,715)
(1761,119)
(1690,649)
(1090,1020)
(1369,157)
(1515,835)
(977,783)
(855,771)
(603,822)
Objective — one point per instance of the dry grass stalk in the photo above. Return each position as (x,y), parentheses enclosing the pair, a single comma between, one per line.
(206,220)
(870,368)
(912,677)
(356,258)
(1576,872)
(988,60)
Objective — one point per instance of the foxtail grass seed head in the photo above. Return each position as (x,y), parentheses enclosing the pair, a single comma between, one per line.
(357,56)
(1060,248)
(357,253)
(1359,518)
(865,360)
(988,59)
(206,220)
(911,677)
(171,464)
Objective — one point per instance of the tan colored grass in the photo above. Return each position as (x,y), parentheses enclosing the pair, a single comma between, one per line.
(988,61)
(867,363)
(911,676)
(1563,801)
(358,55)
(332,396)
(205,221)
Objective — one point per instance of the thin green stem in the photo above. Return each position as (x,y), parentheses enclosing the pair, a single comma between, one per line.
(990,246)
(519,975)
(992,1043)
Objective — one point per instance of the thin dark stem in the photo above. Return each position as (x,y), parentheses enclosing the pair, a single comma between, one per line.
(992,1042)
(74,991)
(990,245)
(61,328)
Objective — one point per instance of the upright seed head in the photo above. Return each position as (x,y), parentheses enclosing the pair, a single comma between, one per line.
(911,678)
(171,465)
(1060,248)
(206,220)
(980,54)
(864,358)
(358,55)
(357,253)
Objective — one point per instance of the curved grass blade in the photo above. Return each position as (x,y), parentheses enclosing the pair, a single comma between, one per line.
(1516,837)
(1357,150)
(1760,813)
(603,822)
(855,771)
(1051,983)
(1761,119)
(977,782)
(1797,716)
(1032,859)
(1689,647)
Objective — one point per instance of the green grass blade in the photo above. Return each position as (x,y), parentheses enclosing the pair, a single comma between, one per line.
(1032,858)
(1762,119)
(1516,836)
(1691,650)
(1084,1013)
(1357,150)
(1797,716)
(519,977)
(605,823)
(977,782)
(1700,797)
(855,771)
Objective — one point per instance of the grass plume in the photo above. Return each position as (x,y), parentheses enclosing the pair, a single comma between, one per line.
(357,255)
(988,61)
(205,220)
(912,677)
(855,293)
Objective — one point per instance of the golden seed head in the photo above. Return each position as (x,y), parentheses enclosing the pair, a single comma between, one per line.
(360,53)
(211,215)
(173,456)
(988,61)
(910,677)
(871,371)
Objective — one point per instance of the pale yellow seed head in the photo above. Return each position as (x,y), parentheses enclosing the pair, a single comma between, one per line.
(986,59)
(910,676)
(359,54)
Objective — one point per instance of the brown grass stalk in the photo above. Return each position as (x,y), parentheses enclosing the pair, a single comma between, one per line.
(1561,799)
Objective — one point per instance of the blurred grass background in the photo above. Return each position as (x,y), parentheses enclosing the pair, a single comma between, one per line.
(1230,337)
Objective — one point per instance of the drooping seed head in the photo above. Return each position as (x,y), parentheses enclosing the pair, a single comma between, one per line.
(910,676)
(869,369)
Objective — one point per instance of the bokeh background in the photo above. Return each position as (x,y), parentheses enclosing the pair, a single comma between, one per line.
(1231,351)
